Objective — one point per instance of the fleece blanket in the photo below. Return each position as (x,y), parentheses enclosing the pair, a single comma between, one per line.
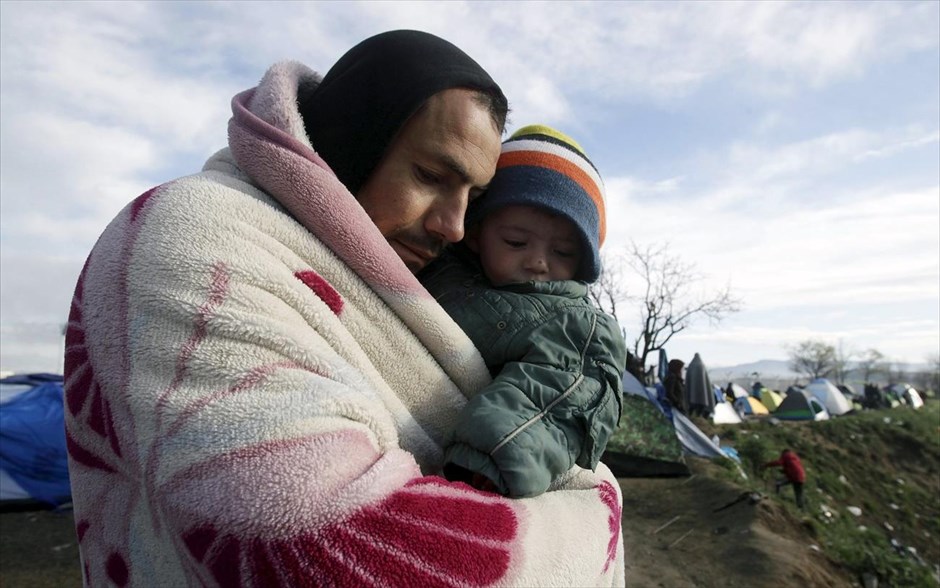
(258,393)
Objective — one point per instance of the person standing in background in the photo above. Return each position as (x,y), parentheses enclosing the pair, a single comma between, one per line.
(674,386)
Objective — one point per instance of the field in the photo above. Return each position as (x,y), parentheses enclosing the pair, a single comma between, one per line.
(885,463)
(677,533)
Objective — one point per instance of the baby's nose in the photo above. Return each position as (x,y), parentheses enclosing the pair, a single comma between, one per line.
(537,262)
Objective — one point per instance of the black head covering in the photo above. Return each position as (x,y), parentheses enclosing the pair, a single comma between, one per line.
(358,107)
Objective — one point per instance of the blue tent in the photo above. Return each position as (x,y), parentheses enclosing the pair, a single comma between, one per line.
(33,457)
(662,369)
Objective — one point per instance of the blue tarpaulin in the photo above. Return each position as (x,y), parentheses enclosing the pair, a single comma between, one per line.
(32,439)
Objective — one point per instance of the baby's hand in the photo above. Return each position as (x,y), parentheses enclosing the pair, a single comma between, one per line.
(456,473)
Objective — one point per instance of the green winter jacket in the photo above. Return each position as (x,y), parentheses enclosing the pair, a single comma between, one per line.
(557,363)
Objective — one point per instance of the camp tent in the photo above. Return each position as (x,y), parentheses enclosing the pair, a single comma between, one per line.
(801,406)
(908,394)
(792,389)
(750,406)
(693,440)
(645,444)
(719,394)
(652,438)
(770,399)
(662,368)
(830,396)
(725,414)
(33,460)
(849,392)
(738,390)
(913,398)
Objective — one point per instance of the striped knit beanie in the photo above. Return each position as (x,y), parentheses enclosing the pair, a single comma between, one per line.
(542,167)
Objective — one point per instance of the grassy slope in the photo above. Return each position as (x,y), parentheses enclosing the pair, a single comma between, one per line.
(884,462)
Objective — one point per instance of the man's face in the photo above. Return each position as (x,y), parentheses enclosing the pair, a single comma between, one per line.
(520,244)
(443,157)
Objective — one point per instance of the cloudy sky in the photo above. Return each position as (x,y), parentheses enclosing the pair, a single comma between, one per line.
(791,150)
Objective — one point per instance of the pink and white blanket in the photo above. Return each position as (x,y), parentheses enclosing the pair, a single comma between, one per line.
(258,392)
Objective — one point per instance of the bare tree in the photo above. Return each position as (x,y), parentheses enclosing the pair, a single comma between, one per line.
(871,363)
(932,374)
(609,288)
(842,358)
(925,380)
(816,359)
(667,301)
(897,373)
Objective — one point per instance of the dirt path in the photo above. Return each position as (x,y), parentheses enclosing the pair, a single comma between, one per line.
(743,546)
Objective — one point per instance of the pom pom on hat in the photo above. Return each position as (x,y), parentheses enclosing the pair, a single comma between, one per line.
(542,167)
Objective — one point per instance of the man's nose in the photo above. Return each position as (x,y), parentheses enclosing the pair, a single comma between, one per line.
(446,220)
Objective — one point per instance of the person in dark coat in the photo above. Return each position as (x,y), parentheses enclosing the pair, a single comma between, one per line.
(675,386)
(793,473)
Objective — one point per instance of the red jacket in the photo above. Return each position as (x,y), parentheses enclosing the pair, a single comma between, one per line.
(792,466)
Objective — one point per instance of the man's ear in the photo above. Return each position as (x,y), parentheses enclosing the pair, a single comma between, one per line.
(472,238)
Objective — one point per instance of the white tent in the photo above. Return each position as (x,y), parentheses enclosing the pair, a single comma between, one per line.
(738,390)
(909,394)
(725,414)
(830,396)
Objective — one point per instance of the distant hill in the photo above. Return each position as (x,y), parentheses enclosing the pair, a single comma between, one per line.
(779,369)
(765,368)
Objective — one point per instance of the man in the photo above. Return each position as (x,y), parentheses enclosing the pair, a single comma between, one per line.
(259,390)
(793,474)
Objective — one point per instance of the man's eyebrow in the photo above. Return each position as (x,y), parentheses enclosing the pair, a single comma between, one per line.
(457,168)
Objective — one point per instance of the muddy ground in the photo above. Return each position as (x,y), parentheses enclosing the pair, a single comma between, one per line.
(743,546)
(746,545)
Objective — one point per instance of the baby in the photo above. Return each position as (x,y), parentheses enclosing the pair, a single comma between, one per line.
(518,286)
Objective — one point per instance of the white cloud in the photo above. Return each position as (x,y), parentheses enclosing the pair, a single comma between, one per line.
(786,253)
(912,141)
(794,247)
(102,100)
(60,198)
(807,160)
(98,65)
(667,50)
(18,356)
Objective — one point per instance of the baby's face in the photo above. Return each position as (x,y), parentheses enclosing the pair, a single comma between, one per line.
(520,244)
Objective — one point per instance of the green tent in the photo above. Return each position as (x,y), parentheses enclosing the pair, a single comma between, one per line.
(770,399)
(800,406)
